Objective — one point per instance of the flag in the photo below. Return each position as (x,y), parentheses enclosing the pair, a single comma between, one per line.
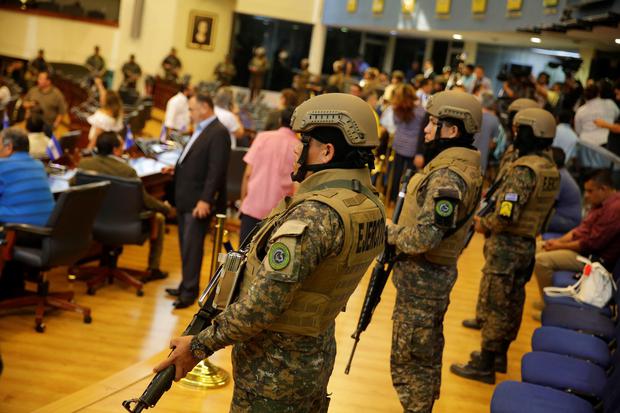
(53,150)
(128,138)
(163,134)
(5,120)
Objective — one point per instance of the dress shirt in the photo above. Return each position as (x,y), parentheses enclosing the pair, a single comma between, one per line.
(177,112)
(197,131)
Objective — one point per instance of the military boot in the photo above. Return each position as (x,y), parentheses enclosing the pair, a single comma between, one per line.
(472,323)
(501,361)
(481,369)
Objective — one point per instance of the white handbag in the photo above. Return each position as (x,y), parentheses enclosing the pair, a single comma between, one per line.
(595,286)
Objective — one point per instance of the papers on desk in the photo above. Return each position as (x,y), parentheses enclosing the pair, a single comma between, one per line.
(146,166)
(60,182)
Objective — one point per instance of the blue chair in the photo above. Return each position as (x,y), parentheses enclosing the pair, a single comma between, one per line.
(563,278)
(572,343)
(565,373)
(579,319)
(550,235)
(571,302)
(517,397)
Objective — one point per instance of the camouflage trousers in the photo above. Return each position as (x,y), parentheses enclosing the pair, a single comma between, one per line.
(278,372)
(422,298)
(508,267)
(246,402)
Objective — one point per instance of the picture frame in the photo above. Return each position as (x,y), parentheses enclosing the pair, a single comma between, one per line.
(514,5)
(408,6)
(377,6)
(550,3)
(351,6)
(478,6)
(201,30)
(442,7)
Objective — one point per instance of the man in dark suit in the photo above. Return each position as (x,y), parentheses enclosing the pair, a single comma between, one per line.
(200,191)
(108,161)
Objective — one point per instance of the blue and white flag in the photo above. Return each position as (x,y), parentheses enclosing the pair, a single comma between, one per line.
(53,150)
(5,121)
(129,142)
(163,135)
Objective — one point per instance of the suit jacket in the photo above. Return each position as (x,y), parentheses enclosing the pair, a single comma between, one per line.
(109,165)
(201,176)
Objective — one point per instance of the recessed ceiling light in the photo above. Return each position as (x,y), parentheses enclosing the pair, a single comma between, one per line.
(457,36)
(617,41)
(535,39)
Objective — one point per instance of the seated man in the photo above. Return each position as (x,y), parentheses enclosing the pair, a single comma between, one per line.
(567,213)
(108,161)
(25,197)
(598,234)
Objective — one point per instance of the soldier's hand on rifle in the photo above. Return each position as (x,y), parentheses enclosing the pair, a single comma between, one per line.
(181,357)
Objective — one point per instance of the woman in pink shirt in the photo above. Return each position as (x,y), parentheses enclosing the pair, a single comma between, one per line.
(267,177)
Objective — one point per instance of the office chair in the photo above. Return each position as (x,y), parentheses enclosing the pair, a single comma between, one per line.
(65,238)
(120,221)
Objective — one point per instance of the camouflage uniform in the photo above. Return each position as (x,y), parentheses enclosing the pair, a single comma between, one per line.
(508,266)
(422,297)
(276,369)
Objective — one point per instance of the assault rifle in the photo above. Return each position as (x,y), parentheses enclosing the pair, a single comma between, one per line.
(202,319)
(380,274)
(487,205)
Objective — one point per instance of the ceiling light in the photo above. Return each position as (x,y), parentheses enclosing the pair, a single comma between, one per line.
(535,39)
(457,36)
(617,41)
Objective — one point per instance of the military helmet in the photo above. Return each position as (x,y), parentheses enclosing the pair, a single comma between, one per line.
(457,105)
(541,121)
(522,103)
(354,117)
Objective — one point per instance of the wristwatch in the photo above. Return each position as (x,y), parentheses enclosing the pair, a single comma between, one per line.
(199,350)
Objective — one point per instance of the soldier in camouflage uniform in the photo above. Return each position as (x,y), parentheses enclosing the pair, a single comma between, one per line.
(507,158)
(523,204)
(429,237)
(303,264)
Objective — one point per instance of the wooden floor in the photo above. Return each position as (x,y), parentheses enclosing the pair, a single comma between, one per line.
(108,360)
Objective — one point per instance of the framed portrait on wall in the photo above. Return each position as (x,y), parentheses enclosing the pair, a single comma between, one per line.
(442,7)
(479,6)
(351,6)
(201,30)
(514,5)
(377,6)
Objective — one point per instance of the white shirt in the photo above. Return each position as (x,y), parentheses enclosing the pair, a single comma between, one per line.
(5,96)
(177,112)
(605,109)
(230,122)
(103,121)
(197,131)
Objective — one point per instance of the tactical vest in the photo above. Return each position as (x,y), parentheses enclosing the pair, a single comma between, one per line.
(325,292)
(537,210)
(466,164)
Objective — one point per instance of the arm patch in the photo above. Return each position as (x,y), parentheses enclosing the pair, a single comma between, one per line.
(281,262)
(506,208)
(446,207)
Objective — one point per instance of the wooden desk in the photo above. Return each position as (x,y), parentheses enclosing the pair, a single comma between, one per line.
(163,90)
(148,169)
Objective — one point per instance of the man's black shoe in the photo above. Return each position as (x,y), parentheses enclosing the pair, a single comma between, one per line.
(155,275)
(173,291)
(180,303)
(472,323)
(501,361)
(473,371)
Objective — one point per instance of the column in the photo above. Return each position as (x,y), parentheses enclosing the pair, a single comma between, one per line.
(317,41)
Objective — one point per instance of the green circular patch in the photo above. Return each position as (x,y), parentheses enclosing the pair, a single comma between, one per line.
(279,256)
(444,208)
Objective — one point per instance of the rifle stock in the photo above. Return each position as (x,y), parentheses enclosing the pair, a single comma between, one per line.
(162,381)
(380,274)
